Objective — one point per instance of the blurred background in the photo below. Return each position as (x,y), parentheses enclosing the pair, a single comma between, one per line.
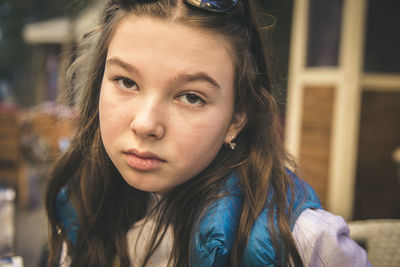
(336,75)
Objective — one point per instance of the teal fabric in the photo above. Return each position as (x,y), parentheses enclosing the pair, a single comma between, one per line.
(213,238)
(215,230)
(259,250)
(67,215)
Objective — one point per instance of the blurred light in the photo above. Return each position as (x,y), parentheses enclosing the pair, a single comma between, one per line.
(49,31)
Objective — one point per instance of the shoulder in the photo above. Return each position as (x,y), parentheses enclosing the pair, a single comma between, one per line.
(303,195)
(322,239)
(260,250)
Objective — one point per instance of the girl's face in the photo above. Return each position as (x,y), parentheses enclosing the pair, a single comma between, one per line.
(166,101)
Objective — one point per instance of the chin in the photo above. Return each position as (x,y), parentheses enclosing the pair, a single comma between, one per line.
(146,187)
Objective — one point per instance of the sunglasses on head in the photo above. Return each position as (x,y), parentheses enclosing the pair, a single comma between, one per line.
(220,6)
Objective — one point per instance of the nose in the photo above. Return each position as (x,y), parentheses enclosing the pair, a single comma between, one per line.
(148,119)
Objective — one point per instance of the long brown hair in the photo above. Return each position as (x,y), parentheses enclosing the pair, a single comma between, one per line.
(107,207)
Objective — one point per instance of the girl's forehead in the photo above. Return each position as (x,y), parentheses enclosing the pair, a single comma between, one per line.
(146,40)
(170,34)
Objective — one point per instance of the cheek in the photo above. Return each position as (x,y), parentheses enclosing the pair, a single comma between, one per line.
(110,117)
(201,138)
(104,116)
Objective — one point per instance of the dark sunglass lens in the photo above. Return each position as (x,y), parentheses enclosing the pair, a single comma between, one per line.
(214,5)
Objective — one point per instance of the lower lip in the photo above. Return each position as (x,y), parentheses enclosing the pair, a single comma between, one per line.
(143,164)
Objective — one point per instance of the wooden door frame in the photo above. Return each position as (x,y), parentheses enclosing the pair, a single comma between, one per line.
(347,79)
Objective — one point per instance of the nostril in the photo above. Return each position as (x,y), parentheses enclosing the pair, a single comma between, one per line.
(153,135)
(147,129)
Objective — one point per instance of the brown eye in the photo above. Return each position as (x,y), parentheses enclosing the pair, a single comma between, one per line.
(126,83)
(191,99)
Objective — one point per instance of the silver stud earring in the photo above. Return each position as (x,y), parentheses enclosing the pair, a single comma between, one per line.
(232,145)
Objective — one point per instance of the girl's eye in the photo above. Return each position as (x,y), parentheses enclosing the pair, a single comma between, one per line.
(191,99)
(126,84)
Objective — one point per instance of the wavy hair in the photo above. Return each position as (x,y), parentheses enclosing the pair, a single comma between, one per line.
(95,187)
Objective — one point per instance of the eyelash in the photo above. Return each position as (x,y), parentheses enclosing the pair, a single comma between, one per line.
(198,98)
(120,84)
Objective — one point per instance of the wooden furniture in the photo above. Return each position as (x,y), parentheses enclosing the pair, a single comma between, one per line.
(12,171)
(380,238)
(30,141)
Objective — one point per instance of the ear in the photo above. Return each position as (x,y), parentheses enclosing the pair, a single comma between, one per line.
(239,120)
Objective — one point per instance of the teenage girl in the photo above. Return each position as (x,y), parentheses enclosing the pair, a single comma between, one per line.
(178,158)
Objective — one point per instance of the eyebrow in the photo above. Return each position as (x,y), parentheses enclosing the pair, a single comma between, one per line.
(199,76)
(118,62)
(183,77)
